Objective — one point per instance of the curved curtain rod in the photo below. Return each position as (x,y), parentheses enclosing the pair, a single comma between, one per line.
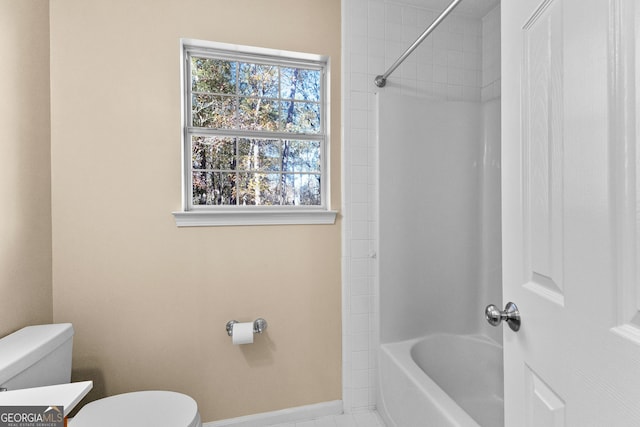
(381,80)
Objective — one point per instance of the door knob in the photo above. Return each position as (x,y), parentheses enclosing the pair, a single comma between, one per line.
(510,314)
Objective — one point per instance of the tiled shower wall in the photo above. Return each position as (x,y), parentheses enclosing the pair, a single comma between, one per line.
(460,60)
(491,55)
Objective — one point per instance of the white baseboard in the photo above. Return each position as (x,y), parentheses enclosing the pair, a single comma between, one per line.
(288,415)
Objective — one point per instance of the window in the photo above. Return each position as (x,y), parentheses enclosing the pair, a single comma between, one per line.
(255,136)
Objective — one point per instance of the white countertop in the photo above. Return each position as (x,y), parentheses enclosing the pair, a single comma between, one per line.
(67,395)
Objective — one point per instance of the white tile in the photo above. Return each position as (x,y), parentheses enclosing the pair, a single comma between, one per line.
(473,28)
(361,399)
(472,60)
(455,76)
(424,18)
(360,342)
(439,74)
(360,285)
(358,24)
(440,57)
(359,323)
(471,93)
(392,51)
(359,138)
(325,422)
(345,421)
(359,61)
(360,229)
(458,24)
(359,82)
(359,157)
(424,53)
(409,35)
(455,59)
(376,13)
(470,78)
(360,304)
(360,174)
(359,101)
(409,18)
(471,43)
(376,65)
(393,32)
(367,419)
(360,379)
(359,268)
(393,13)
(360,359)
(439,38)
(359,119)
(359,44)
(455,42)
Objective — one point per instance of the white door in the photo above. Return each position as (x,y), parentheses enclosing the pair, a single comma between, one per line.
(570,213)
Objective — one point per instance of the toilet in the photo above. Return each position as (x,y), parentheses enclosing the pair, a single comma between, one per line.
(38,356)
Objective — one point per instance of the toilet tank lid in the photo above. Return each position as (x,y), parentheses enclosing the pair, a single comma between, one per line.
(23,348)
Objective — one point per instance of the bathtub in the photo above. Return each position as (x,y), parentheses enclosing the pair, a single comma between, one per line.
(442,380)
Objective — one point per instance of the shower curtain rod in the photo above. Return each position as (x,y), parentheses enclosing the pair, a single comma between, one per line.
(381,80)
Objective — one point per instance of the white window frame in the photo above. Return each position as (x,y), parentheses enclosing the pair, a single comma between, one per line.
(197,215)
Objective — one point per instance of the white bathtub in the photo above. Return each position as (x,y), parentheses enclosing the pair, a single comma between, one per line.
(442,380)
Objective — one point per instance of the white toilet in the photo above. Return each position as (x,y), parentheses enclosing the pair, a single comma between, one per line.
(38,356)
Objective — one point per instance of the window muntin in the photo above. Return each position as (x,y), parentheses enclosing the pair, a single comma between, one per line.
(255,132)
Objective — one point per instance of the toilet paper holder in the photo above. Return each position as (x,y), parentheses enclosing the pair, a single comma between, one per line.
(259,325)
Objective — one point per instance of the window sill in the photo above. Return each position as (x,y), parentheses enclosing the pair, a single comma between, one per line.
(261,217)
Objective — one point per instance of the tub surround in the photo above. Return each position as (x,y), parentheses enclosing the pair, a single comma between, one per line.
(431,241)
(452,64)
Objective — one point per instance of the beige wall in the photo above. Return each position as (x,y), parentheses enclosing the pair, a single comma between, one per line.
(150,301)
(25,186)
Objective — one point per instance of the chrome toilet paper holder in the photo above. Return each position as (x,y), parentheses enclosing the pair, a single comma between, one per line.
(259,326)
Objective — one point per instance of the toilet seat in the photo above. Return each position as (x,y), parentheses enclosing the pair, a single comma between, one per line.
(140,409)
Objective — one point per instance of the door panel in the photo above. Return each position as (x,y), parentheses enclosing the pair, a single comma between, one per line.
(570,212)
(545,407)
(542,151)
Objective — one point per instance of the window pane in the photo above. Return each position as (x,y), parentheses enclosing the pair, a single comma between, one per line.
(259,80)
(301,156)
(302,189)
(259,189)
(259,155)
(213,111)
(213,75)
(258,114)
(213,188)
(300,117)
(213,153)
(300,84)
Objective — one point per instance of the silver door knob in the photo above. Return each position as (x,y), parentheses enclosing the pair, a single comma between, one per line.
(511,315)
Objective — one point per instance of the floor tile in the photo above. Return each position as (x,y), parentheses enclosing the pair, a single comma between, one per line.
(364,419)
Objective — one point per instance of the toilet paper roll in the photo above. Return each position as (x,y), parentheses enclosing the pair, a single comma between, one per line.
(242,333)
